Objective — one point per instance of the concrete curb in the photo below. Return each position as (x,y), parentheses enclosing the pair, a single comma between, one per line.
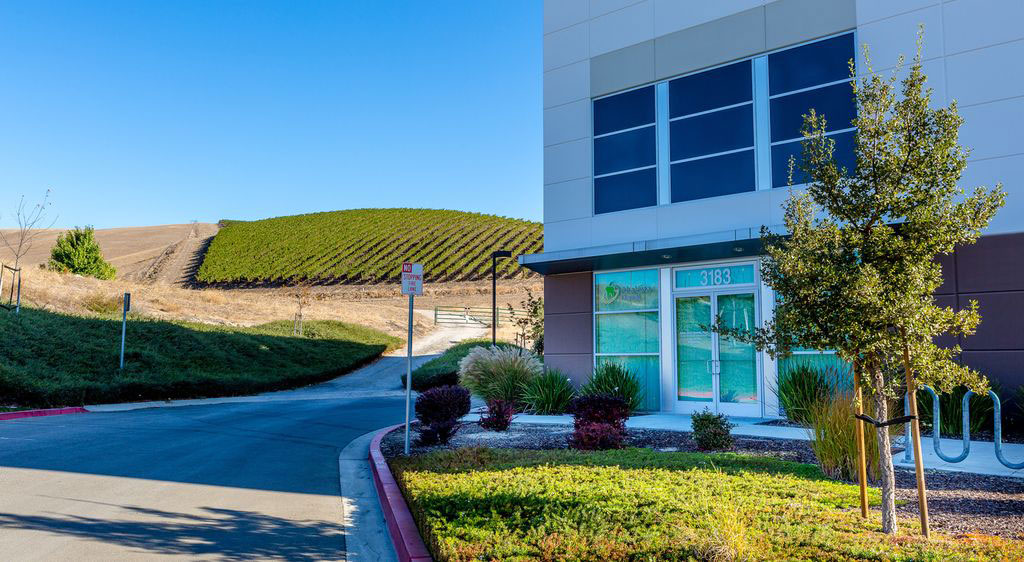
(366,529)
(37,413)
(408,543)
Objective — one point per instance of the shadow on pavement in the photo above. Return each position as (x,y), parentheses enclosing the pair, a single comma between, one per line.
(229,534)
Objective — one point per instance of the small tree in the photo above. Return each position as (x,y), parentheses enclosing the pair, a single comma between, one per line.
(28,218)
(858,268)
(77,251)
(529,328)
(303,295)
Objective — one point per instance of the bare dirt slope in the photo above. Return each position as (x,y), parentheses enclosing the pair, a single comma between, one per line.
(156,265)
(132,250)
(178,264)
(380,307)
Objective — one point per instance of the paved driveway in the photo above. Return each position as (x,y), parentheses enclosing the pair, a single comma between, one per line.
(243,479)
(229,481)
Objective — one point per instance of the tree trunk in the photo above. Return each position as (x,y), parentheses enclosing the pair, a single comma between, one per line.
(889,524)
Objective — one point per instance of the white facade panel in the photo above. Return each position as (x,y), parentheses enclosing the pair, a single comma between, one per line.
(601,7)
(1010,171)
(566,46)
(625,226)
(622,28)
(986,74)
(567,122)
(993,129)
(672,15)
(567,84)
(889,38)
(559,14)
(567,200)
(568,234)
(567,161)
(715,214)
(873,10)
(969,24)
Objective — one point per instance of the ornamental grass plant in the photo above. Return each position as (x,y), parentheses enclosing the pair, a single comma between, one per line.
(499,373)
(549,393)
(833,437)
(617,380)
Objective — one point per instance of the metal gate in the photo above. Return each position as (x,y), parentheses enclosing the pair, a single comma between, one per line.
(475,316)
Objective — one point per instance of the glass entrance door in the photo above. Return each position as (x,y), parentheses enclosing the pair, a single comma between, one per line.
(713,371)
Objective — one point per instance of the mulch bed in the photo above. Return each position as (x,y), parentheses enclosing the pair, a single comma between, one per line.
(958,503)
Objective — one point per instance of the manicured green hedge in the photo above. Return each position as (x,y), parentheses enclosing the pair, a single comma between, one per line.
(639,504)
(50,360)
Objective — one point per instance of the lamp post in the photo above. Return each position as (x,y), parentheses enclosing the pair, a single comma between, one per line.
(494,291)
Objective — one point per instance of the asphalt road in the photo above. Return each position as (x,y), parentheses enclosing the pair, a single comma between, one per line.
(221,481)
(249,478)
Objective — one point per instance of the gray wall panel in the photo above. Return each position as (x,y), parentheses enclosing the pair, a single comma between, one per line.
(622,69)
(732,37)
(576,366)
(568,293)
(794,21)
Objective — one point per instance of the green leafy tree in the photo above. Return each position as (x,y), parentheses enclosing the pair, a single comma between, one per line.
(77,251)
(858,266)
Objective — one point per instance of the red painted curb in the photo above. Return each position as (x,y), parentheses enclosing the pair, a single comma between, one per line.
(401,526)
(37,413)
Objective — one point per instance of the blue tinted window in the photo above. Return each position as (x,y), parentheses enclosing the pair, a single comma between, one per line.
(720,87)
(810,65)
(710,177)
(835,102)
(625,110)
(625,191)
(624,151)
(718,131)
(842,153)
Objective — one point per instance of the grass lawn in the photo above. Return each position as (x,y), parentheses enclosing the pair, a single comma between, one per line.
(639,504)
(49,360)
(444,369)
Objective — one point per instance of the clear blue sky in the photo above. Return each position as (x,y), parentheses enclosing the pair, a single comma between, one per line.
(139,112)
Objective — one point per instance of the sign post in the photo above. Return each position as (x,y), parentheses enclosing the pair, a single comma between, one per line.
(412,285)
(124,322)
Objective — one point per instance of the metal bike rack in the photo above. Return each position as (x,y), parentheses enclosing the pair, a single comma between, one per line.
(997,437)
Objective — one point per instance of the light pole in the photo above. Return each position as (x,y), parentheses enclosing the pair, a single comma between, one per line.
(494,291)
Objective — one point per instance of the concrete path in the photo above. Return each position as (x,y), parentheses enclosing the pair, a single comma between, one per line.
(982,459)
(272,477)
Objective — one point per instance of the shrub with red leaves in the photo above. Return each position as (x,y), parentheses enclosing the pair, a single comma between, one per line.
(592,436)
(439,410)
(599,422)
(499,415)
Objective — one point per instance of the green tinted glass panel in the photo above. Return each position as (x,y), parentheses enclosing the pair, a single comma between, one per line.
(693,348)
(820,361)
(629,332)
(738,360)
(626,290)
(715,276)
(646,370)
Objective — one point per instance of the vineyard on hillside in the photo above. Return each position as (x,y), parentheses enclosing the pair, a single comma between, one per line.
(367,246)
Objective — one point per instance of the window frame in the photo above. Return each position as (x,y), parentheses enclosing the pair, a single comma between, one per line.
(595,313)
(761,110)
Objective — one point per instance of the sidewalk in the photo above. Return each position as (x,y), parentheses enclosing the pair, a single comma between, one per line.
(982,459)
